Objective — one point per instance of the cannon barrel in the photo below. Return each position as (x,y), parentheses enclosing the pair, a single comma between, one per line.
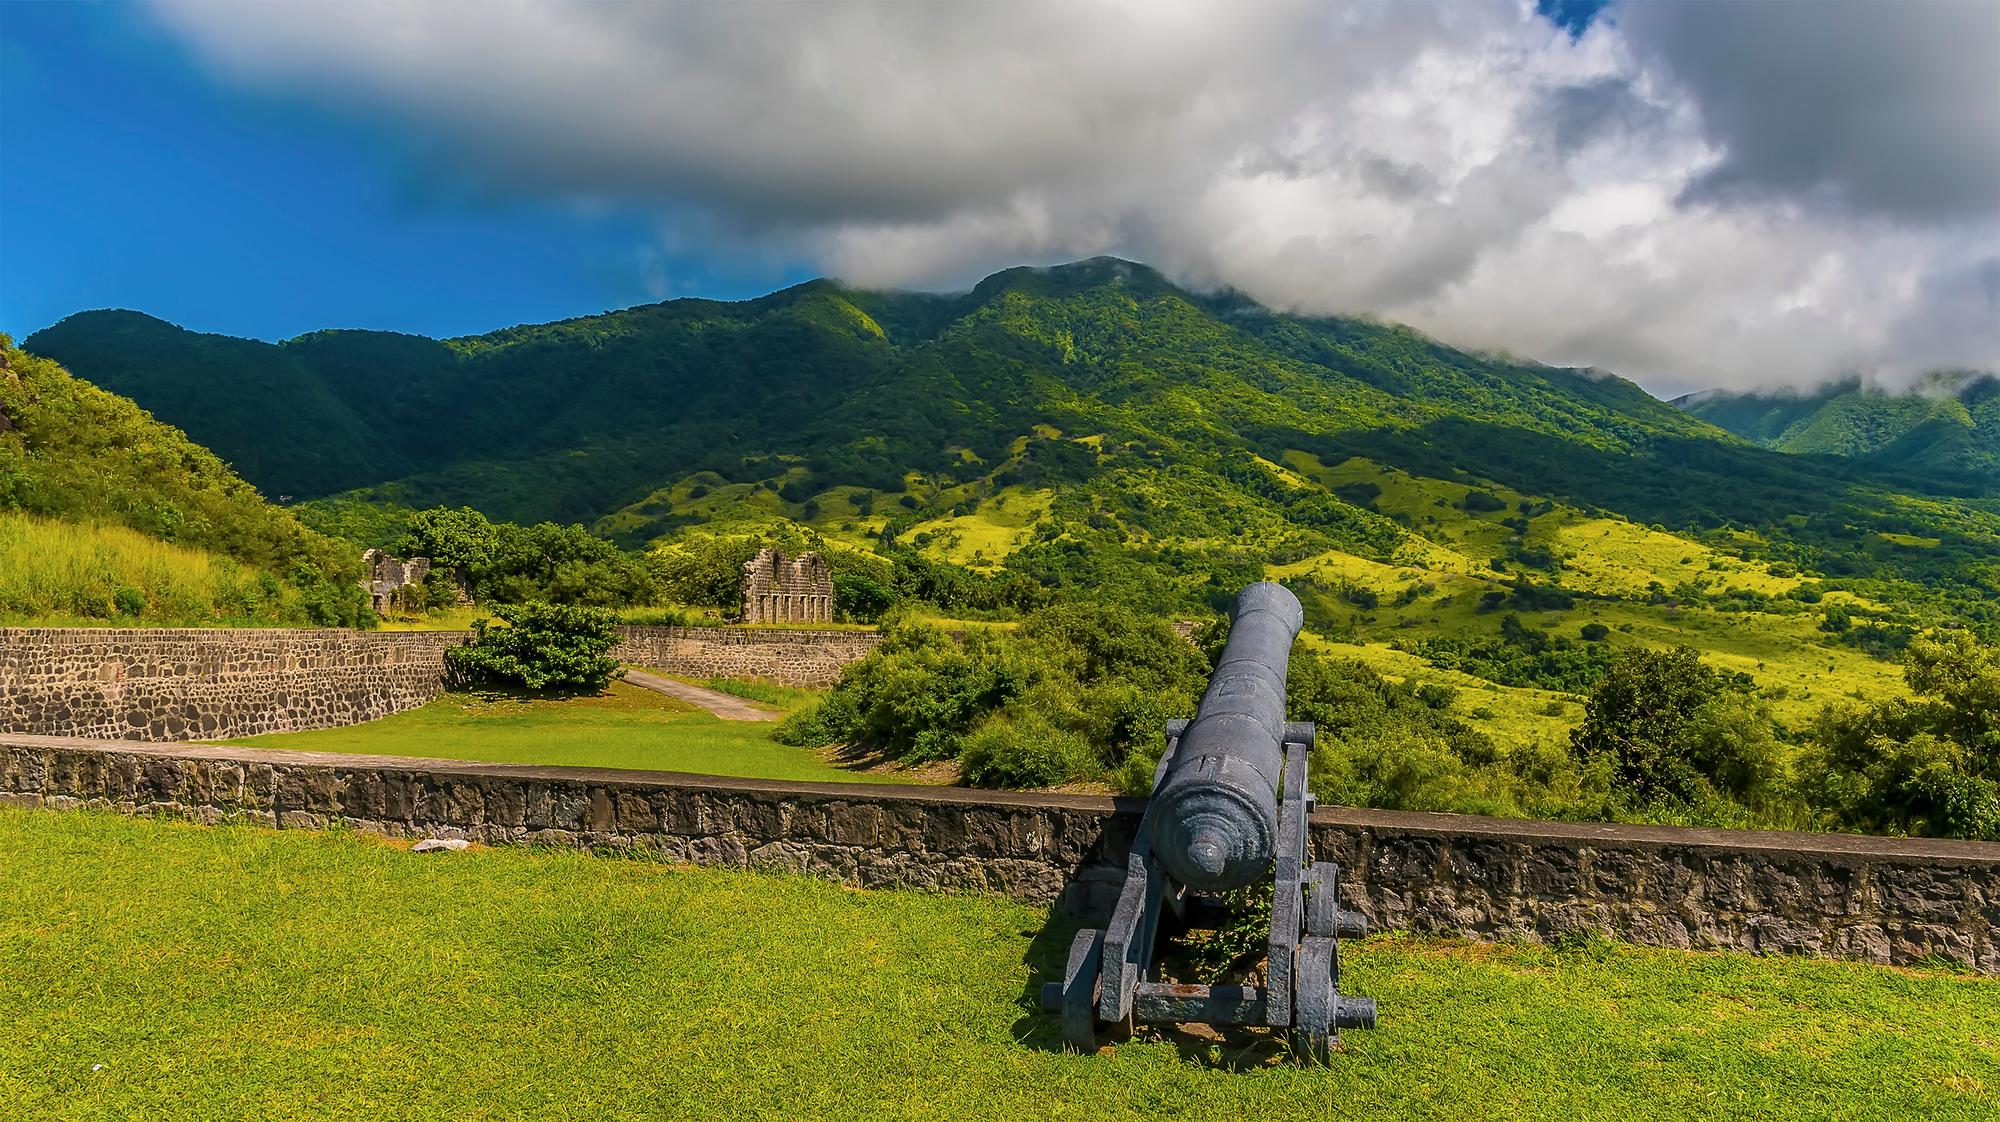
(1214,823)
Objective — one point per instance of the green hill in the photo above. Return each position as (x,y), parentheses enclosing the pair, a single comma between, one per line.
(1950,422)
(1101,433)
(107,515)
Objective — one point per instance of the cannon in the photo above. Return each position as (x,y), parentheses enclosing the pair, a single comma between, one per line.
(1228,809)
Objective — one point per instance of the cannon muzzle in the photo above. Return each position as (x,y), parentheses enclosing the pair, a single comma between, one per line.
(1214,823)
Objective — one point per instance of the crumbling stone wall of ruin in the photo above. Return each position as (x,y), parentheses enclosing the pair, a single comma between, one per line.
(388,577)
(790,656)
(780,589)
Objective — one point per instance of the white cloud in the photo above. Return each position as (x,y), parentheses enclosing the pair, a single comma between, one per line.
(1468,169)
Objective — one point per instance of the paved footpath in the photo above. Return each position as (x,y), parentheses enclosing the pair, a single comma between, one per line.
(725,705)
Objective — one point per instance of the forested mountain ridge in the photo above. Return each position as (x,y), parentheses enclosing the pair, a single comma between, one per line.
(1090,427)
(1950,421)
(817,370)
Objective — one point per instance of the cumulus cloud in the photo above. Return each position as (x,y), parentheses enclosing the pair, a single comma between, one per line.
(1886,107)
(1690,194)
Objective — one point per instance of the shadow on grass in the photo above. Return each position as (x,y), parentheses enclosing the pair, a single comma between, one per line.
(1230,1048)
(862,758)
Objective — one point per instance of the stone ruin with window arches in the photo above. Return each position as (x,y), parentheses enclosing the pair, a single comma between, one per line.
(780,589)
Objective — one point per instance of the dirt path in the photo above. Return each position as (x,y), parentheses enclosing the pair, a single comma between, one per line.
(727,706)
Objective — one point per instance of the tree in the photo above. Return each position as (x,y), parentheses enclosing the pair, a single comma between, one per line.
(544,647)
(459,539)
(1676,731)
(1929,765)
(562,565)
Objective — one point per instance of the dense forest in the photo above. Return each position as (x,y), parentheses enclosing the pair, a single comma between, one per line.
(1947,422)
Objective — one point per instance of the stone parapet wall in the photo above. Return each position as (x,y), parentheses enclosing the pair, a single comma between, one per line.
(167,684)
(786,655)
(1886,900)
(206,684)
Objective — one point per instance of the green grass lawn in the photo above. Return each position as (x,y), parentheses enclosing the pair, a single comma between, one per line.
(624,727)
(162,970)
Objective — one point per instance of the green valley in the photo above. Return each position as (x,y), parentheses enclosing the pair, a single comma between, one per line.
(1947,422)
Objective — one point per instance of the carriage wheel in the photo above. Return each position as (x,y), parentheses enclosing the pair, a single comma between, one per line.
(1079,999)
(1314,1003)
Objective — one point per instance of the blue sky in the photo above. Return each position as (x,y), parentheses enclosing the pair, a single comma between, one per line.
(129,178)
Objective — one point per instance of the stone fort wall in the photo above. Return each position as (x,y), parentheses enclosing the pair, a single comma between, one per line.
(168,684)
(790,656)
(1886,900)
(207,684)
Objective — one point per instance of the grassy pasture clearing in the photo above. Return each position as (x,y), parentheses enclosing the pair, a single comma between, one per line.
(154,969)
(623,727)
(984,538)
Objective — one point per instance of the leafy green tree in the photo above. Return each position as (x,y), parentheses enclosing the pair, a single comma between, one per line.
(562,565)
(545,648)
(460,539)
(861,597)
(1676,731)
(1929,765)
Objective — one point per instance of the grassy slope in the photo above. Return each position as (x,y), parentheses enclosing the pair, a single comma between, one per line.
(68,574)
(121,483)
(152,969)
(625,727)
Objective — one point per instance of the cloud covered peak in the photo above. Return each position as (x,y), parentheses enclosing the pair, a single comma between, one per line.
(1690,194)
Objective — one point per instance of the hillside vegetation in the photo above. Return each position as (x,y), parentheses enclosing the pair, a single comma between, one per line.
(107,515)
(1088,435)
(1948,422)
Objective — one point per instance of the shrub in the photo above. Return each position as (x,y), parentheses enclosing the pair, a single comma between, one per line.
(1924,766)
(544,647)
(1075,692)
(1594,632)
(1677,731)
(1482,502)
(1026,750)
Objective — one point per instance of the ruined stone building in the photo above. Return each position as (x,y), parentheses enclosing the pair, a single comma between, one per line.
(387,578)
(781,590)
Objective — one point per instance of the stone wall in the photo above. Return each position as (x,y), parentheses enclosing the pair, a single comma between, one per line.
(791,656)
(162,684)
(778,589)
(200,684)
(1877,899)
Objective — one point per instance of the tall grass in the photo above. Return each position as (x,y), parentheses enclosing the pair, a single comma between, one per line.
(84,574)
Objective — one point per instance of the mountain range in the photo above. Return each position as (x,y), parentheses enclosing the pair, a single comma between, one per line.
(1948,421)
(1152,441)
(1094,432)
